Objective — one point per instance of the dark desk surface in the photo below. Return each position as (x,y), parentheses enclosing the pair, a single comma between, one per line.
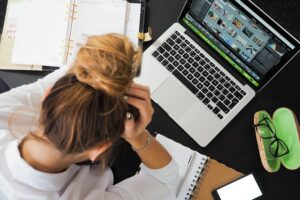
(235,145)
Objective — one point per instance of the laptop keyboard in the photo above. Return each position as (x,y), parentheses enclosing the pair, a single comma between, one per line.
(201,76)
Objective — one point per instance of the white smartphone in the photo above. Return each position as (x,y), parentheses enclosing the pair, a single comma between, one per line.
(244,188)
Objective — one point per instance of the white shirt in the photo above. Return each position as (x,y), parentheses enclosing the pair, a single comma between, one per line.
(18,180)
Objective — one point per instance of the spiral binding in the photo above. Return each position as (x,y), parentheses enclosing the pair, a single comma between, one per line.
(71,13)
(198,178)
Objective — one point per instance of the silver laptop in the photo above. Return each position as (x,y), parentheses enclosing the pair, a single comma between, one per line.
(209,64)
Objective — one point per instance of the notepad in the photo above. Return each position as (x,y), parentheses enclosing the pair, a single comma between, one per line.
(50,32)
(204,175)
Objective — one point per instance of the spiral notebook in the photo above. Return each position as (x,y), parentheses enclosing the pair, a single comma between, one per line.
(49,31)
(203,176)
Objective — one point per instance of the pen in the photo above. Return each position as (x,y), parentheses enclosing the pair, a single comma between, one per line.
(185,173)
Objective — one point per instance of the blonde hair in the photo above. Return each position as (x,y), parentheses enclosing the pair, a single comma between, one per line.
(107,63)
(86,106)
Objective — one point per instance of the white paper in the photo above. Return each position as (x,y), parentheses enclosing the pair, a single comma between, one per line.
(181,154)
(13,14)
(8,37)
(41,33)
(96,17)
(133,22)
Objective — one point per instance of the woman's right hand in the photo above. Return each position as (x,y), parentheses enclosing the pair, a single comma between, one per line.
(139,97)
(151,152)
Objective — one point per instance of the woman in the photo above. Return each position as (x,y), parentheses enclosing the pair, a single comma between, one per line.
(79,114)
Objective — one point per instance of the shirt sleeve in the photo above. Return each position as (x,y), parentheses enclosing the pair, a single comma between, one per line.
(26,97)
(31,94)
(149,184)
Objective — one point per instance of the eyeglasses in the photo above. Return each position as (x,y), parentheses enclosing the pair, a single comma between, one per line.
(277,147)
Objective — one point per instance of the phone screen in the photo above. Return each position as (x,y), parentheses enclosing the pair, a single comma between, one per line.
(244,188)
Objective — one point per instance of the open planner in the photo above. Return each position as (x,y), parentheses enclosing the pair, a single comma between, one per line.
(56,36)
(203,175)
(50,32)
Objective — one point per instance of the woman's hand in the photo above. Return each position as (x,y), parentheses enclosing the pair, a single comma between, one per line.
(139,97)
(151,152)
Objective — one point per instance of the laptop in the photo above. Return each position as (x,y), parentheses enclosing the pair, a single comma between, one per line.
(209,64)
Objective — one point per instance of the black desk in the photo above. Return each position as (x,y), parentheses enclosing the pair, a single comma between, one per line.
(235,145)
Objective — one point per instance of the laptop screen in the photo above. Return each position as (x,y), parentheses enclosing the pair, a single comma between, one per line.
(247,42)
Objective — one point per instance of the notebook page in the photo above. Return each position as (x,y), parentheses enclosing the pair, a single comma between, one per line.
(96,17)
(12,17)
(182,154)
(132,25)
(41,33)
(192,176)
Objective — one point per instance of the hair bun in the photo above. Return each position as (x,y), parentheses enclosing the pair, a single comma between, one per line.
(108,62)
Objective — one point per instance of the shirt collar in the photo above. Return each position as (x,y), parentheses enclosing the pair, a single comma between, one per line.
(22,172)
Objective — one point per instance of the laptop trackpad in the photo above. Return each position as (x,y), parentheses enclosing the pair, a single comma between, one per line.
(173,98)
